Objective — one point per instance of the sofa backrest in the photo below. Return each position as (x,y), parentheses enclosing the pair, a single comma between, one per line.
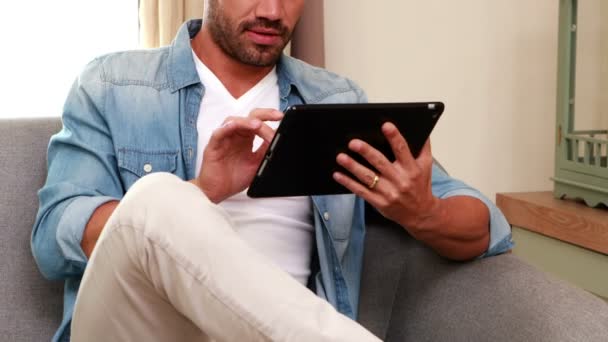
(30,306)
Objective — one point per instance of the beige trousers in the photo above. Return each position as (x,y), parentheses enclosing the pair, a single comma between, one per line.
(169,267)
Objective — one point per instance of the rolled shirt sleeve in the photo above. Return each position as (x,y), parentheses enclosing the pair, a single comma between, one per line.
(500,231)
(71,226)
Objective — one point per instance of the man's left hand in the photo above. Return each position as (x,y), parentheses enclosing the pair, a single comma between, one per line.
(401,190)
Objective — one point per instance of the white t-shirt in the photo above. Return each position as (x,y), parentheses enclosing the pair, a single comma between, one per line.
(280,228)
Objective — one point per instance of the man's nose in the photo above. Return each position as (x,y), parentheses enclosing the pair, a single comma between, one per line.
(269,9)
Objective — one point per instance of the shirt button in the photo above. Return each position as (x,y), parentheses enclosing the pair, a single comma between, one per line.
(148,168)
(326,216)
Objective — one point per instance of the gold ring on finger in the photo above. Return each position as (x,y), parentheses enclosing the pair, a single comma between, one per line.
(373,184)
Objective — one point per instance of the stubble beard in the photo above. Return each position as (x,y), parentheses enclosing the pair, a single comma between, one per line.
(230,38)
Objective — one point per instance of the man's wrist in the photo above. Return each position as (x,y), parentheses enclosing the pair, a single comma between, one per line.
(95,225)
(210,195)
(426,224)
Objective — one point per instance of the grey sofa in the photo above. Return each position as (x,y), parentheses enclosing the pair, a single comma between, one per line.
(408,292)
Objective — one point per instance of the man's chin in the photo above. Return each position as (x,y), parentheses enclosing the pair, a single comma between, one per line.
(261,58)
(263,63)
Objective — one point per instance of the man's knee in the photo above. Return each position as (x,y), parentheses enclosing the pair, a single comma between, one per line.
(162,203)
(160,189)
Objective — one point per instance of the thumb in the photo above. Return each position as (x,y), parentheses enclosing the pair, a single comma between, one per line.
(261,151)
(426,155)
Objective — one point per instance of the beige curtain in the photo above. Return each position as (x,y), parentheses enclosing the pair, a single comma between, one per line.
(159,20)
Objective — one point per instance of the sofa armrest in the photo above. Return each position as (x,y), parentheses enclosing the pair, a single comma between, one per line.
(409,293)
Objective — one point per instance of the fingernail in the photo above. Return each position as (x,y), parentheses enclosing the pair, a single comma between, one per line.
(389,127)
(355,145)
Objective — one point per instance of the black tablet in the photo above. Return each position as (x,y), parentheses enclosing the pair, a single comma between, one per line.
(301,158)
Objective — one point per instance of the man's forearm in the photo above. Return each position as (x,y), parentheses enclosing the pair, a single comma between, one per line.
(458,228)
(95,226)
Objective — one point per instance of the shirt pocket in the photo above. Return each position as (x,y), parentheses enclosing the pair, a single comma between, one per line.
(134,164)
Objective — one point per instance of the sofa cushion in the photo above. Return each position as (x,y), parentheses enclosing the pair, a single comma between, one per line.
(30,306)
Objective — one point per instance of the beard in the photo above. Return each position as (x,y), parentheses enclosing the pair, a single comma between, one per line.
(230,37)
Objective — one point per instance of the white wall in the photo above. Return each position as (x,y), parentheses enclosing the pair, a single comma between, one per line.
(46,44)
(494,64)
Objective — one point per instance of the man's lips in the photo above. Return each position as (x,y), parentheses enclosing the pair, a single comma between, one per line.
(264,36)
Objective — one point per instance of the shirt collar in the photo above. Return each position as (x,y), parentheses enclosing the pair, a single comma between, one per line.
(181,68)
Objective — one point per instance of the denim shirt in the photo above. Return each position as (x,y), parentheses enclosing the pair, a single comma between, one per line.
(135,108)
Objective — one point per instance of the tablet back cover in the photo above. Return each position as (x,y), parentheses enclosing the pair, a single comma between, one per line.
(302,156)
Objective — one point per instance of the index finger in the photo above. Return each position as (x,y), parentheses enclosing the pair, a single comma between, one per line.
(234,125)
(266,114)
(399,145)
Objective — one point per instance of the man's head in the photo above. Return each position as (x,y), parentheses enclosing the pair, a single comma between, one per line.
(253,32)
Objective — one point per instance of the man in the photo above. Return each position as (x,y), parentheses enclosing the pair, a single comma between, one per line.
(183,254)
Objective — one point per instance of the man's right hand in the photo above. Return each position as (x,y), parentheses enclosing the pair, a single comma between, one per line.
(229,164)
